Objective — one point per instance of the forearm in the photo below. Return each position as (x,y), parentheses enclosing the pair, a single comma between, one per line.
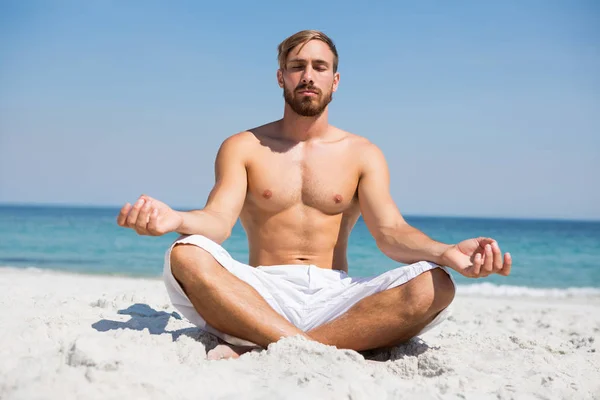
(408,245)
(207,223)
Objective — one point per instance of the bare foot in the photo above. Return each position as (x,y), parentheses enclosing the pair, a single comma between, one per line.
(226,350)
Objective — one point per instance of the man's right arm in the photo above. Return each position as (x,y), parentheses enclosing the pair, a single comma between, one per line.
(226,199)
(149,216)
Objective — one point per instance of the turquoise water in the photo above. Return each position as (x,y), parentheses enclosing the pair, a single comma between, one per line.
(546,254)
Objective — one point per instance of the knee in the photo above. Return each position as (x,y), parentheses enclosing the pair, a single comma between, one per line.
(189,261)
(444,289)
(433,292)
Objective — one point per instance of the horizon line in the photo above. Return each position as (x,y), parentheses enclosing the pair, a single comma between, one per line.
(408,215)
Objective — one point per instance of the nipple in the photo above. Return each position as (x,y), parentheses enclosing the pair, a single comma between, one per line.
(338,198)
(267,194)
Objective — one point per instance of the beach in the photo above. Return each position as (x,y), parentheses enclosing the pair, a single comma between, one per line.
(71,336)
(392,134)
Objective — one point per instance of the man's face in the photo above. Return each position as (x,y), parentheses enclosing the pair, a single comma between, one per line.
(308,80)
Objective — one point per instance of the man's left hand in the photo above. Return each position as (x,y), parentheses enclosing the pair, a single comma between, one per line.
(477,258)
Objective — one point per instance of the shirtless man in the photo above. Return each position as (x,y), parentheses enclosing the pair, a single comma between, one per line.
(298,186)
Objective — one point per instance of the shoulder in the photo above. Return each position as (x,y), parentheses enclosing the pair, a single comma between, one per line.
(369,158)
(363,150)
(356,142)
(234,151)
(239,140)
(237,146)
(367,148)
(250,138)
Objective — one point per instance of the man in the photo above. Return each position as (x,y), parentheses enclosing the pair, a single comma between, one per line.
(298,186)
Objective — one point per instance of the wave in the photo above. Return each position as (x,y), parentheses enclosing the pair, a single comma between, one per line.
(478,289)
(48,261)
(490,289)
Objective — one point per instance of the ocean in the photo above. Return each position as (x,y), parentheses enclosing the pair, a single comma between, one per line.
(550,257)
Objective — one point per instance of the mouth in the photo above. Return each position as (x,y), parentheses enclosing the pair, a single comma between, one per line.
(308,92)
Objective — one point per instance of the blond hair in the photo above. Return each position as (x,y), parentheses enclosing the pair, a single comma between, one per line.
(301,38)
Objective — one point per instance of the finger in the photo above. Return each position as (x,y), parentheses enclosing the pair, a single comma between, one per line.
(145,197)
(483,241)
(122,217)
(507,265)
(488,259)
(483,273)
(475,270)
(497,257)
(142,220)
(153,223)
(133,214)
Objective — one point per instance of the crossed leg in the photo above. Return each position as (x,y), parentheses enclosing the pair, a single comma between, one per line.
(232,306)
(390,317)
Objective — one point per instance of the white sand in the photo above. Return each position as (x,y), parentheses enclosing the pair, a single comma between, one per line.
(86,337)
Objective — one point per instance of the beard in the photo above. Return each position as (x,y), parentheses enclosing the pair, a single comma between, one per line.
(307,106)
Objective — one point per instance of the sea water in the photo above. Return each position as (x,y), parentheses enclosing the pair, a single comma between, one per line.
(550,257)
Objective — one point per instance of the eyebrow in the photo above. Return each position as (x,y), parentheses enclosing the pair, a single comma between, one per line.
(301,60)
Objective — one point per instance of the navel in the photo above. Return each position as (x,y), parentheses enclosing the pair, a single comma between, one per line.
(338,198)
(267,194)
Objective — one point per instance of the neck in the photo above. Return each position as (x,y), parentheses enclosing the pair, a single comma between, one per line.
(298,128)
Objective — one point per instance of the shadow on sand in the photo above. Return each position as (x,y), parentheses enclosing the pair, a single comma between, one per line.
(412,348)
(145,317)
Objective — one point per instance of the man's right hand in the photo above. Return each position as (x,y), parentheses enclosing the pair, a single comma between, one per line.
(149,216)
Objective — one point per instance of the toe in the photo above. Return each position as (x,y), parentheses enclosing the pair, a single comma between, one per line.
(221,352)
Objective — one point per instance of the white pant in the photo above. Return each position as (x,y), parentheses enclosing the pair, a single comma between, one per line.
(305,295)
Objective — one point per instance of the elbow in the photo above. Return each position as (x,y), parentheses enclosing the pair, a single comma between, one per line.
(390,240)
(219,225)
(218,237)
(386,240)
(221,235)
(226,235)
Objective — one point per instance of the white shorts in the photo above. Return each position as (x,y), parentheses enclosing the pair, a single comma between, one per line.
(305,295)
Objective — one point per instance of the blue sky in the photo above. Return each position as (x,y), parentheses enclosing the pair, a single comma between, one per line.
(481,108)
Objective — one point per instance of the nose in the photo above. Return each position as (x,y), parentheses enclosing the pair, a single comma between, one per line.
(307,75)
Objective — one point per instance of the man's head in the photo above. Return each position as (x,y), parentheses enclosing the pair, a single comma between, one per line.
(308,62)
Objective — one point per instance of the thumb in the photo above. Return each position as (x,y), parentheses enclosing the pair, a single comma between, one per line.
(483,241)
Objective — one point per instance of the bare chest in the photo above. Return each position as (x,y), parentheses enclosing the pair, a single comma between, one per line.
(326,182)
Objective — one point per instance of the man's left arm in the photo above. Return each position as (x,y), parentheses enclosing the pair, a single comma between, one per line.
(402,242)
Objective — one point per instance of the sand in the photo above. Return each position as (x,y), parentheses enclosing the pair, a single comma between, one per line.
(66,336)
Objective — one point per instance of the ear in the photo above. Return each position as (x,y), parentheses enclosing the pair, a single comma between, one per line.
(280,78)
(336,81)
